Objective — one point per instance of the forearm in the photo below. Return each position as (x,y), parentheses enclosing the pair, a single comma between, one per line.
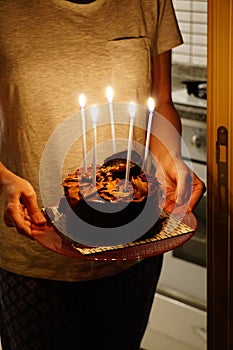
(166,131)
(166,125)
(168,111)
(4,175)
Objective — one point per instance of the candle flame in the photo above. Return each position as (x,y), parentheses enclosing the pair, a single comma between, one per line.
(109,94)
(82,100)
(94,114)
(151,104)
(132,109)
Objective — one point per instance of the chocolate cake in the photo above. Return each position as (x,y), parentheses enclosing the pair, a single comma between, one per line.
(111,203)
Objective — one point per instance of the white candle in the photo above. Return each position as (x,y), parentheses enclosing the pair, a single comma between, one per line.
(132,110)
(151,107)
(94,123)
(82,102)
(109,94)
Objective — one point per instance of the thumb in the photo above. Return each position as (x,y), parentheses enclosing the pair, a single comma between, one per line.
(30,202)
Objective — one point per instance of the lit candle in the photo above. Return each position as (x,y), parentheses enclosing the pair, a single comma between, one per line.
(151,107)
(109,94)
(82,102)
(94,123)
(132,110)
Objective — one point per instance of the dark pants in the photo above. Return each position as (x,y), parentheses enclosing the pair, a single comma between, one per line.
(105,314)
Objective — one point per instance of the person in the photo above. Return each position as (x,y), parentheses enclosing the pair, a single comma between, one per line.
(50,53)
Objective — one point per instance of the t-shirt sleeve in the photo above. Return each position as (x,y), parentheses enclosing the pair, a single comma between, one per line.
(167,34)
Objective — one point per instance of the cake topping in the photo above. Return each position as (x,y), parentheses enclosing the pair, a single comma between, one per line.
(110,182)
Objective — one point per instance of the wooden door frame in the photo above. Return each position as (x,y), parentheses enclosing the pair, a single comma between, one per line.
(220,174)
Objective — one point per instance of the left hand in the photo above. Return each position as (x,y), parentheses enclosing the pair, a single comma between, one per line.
(181,187)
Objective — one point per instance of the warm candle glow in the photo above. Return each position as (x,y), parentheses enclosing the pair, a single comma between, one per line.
(82,100)
(109,94)
(151,104)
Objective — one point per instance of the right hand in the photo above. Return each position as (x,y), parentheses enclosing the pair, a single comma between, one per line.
(20,204)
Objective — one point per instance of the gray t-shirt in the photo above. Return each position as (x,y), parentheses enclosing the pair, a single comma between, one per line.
(50,53)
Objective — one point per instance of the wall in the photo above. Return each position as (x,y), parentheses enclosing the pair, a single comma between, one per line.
(192,18)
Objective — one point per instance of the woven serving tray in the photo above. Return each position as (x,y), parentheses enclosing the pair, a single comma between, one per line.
(167,234)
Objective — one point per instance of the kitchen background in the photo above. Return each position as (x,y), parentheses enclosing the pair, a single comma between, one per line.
(178,317)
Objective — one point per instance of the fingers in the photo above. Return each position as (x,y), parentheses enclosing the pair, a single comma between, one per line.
(24,216)
(22,222)
(21,209)
(197,193)
(182,189)
(37,229)
(35,214)
(15,216)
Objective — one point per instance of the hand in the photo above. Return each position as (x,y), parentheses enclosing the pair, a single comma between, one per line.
(181,186)
(21,209)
